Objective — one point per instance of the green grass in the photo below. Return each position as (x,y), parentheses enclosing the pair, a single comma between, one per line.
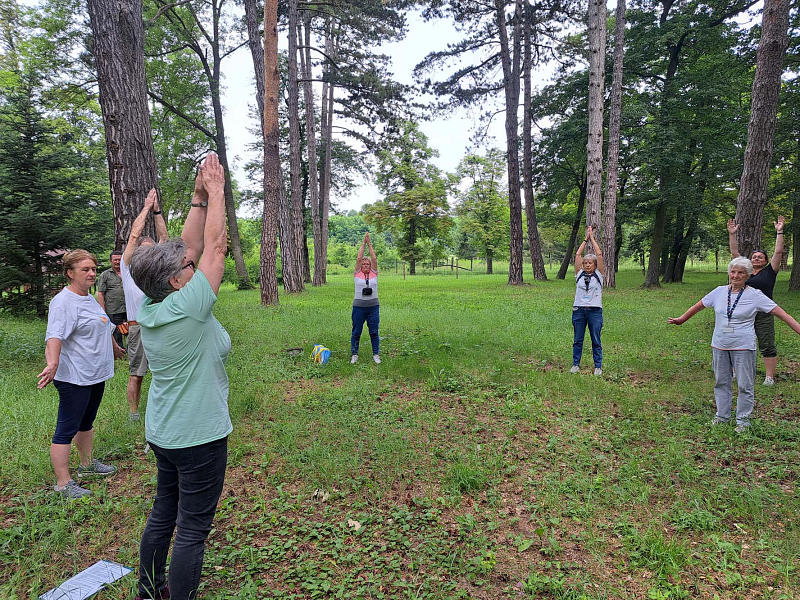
(474,465)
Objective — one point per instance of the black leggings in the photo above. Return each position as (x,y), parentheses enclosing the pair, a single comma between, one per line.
(77,408)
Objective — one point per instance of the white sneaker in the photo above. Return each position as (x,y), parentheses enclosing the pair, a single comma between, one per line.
(376,358)
(769,380)
(354,359)
(575,369)
(598,371)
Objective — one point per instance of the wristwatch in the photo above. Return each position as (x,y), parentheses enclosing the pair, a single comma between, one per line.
(202,204)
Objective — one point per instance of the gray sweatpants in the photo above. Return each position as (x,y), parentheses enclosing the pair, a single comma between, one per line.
(725,361)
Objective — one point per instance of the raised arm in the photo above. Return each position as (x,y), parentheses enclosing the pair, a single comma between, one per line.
(194,227)
(138,227)
(786,318)
(161,224)
(777,257)
(579,256)
(372,258)
(687,315)
(732,241)
(601,266)
(215,237)
(361,252)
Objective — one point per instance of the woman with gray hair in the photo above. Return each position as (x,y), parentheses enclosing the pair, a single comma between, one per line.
(587,308)
(734,341)
(187,422)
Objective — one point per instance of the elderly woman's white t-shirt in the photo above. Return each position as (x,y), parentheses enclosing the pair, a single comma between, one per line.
(738,333)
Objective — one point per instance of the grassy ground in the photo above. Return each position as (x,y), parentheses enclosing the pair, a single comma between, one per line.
(470,464)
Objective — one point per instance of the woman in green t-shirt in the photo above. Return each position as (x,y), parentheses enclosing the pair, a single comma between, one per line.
(187,422)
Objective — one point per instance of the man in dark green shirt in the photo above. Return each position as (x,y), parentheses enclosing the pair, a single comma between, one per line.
(110,295)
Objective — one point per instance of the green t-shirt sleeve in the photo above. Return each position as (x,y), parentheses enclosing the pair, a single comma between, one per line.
(196,298)
(102,284)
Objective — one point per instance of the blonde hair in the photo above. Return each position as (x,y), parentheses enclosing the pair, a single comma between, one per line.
(71,260)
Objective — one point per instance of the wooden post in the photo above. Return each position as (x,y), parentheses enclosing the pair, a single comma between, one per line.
(404,270)
(395,266)
(456,268)
(451,264)
(716,257)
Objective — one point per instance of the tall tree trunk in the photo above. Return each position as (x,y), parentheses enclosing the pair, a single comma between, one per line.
(675,250)
(311,150)
(118,45)
(654,265)
(326,133)
(412,241)
(594,145)
(612,172)
(761,129)
(573,236)
(306,253)
(489,265)
(511,71)
(295,199)
(794,279)
(272,161)
(534,241)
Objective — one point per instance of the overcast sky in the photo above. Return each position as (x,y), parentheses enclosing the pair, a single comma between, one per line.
(450,136)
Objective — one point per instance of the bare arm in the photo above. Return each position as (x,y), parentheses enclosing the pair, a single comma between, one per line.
(52,354)
(732,241)
(786,318)
(361,253)
(101,300)
(777,257)
(687,315)
(578,257)
(215,236)
(195,225)
(161,224)
(138,227)
(601,266)
(372,258)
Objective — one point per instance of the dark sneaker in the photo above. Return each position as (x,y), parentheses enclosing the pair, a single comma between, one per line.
(162,595)
(72,490)
(96,469)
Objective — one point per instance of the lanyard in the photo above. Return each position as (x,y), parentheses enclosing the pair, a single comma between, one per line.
(739,295)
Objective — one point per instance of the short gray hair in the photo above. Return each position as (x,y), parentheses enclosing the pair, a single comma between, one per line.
(741,262)
(153,266)
(590,257)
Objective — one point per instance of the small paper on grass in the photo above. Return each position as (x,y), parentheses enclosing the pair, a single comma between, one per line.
(354,524)
(88,582)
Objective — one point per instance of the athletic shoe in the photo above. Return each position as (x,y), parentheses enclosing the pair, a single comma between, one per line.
(718,421)
(376,358)
(133,417)
(354,359)
(598,371)
(72,490)
(96,469)
(769,380)
(575,369)
(741,428)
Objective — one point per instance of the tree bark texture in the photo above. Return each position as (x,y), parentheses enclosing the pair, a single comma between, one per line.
(118,44)
(594,144)
(325,182)
(510,58)
(272,161)
(534,241)
(295,199)
(608,242)
(654,264)
(311,149)
(573,236)
(761,129)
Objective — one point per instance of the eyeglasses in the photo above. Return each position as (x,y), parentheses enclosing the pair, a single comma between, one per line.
(189,264)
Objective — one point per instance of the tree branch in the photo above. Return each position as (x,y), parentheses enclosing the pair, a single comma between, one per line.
(181,114)
(164,9)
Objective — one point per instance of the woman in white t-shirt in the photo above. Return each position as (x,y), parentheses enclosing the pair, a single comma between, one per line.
(734,341)
(80,353)
(366,308)
(587,308)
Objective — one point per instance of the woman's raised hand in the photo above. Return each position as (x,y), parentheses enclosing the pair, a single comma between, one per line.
(779,224)
(732,226)
(589,233)
(150,201)
(213,174)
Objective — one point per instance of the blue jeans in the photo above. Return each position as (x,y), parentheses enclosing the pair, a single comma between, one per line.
(372,315)
(188,489)
(593,317)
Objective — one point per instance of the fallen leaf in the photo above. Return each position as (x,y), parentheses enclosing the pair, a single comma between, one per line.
(354,524)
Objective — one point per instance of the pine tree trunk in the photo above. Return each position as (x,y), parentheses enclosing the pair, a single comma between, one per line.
(594,145)
(326,133)
(272,161)
(573,236)
(794,279)
(295,201)
(311,150)
(534,241)
(118,46)
(511,72)
(761,129)
(614,125)
(489,265)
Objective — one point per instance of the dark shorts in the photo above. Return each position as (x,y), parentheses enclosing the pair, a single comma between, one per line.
(77,408)
(765,332)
